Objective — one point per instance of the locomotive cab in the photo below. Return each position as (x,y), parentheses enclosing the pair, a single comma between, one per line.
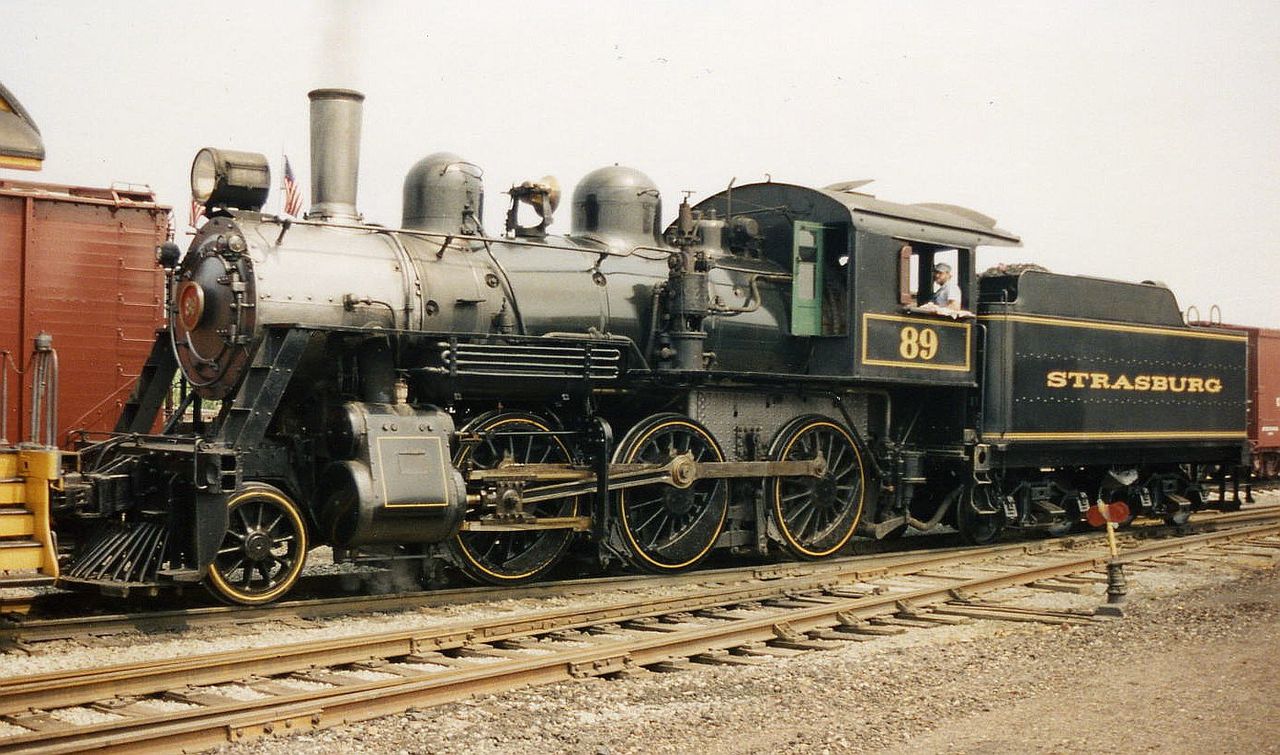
(859,283)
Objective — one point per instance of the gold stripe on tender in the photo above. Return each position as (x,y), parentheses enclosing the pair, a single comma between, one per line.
(1167,434)
(1150,330)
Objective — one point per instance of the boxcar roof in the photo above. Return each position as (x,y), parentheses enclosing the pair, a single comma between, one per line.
(116,196)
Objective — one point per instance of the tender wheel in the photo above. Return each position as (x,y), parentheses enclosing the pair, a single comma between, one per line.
(1184,483)
(1062,526)
(816,516)
(664,528)
(504,558)
(979,516)
(263,550)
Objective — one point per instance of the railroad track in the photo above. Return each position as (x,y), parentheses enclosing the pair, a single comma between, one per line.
(20,631)
(203,701)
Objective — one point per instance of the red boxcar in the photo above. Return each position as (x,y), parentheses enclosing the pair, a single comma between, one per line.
(1264,398)
(79,264)
(1264,407)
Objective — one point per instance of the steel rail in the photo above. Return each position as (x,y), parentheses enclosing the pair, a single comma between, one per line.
(37,630)
(28,630)
(208,726)
(71,687)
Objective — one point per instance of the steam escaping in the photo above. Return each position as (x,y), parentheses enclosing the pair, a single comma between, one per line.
(397,577)
(338,59)
(335,124)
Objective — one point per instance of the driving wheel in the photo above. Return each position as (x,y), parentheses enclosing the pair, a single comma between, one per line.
(816,516)
(512,556)
(665,527)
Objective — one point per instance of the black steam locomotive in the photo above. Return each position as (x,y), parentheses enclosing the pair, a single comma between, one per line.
(768,373)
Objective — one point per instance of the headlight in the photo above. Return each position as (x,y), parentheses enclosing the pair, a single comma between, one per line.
(228,178)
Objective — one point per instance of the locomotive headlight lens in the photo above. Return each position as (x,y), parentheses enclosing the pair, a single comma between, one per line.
(204,176)
(228,178)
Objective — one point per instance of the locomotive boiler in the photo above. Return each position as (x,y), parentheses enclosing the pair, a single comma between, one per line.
(764,375)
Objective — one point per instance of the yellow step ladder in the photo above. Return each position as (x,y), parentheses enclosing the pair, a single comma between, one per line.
(28,551)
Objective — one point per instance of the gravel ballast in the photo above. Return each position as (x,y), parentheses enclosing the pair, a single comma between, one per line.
(1190,669)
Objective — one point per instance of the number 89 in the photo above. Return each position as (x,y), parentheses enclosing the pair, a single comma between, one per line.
(918,343)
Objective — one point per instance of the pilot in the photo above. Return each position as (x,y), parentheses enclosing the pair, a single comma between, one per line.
(946,295)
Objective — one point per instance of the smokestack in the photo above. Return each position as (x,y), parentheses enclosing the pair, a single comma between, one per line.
(335,153)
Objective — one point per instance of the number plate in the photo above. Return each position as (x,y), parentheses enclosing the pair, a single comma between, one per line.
(915,343)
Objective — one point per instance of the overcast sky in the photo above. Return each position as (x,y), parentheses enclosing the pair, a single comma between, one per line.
(1121,139)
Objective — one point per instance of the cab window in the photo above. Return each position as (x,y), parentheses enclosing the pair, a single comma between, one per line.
(917,282)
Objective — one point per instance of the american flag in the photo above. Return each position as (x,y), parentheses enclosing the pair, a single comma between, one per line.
(292,196)
(197,212)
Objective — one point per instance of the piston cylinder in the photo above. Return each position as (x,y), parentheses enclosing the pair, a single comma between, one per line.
(400,486)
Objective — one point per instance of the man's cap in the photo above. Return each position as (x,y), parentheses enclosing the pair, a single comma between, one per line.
(942,267)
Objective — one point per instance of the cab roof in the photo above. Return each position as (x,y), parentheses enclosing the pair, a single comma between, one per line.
(930,223)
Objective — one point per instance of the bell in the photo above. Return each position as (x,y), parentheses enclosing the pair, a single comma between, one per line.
(545,197)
